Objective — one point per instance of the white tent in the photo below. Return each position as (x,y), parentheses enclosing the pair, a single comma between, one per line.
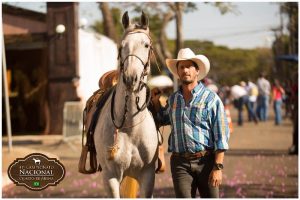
(97,55)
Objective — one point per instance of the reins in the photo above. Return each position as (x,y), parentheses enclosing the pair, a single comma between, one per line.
(146,103)
(140,109)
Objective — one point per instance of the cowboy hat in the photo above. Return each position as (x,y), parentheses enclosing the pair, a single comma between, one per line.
(187,54)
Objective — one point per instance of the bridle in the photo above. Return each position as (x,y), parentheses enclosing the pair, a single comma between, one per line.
(146,65)
(142,84)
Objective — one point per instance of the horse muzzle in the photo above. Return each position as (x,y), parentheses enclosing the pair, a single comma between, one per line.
(130,81)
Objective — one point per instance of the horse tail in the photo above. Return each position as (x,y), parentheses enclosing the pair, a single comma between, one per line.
(129,187)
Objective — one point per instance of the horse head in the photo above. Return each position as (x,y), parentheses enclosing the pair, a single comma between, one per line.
(134,52)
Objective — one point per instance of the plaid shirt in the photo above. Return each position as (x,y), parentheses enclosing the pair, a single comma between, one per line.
(197,126)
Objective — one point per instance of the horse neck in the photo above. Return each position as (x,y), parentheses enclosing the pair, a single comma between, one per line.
(133,116)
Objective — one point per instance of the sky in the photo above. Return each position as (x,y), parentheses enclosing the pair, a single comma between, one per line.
(250,28)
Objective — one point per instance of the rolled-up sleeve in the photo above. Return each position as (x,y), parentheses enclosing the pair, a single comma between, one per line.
(220,126)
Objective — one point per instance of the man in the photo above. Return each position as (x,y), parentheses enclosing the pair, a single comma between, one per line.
(199,128)
(264,89)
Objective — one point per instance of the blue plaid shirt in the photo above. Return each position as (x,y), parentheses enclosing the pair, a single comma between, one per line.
(199,125)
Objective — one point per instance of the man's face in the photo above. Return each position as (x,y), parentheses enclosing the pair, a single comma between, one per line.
(187,72)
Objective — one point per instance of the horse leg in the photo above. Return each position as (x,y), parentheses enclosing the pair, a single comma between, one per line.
(146,181)
(112,186)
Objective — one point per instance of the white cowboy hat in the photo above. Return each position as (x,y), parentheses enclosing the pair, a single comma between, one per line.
(187,54)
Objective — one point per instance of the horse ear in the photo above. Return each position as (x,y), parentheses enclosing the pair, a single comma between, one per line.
(125,20)
(144,20)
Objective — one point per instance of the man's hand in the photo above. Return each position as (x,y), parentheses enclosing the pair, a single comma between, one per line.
(215,178)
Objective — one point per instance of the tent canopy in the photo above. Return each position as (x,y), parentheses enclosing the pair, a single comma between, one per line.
(289,57)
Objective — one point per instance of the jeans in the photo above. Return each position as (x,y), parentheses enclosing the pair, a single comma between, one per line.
(190,175)
(251,113)
(263,107)
(277,110)
(244,100)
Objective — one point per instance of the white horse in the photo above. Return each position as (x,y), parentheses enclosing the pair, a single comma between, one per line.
(125,136)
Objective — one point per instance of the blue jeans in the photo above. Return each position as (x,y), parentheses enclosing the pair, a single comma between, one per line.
(277,110)
(251,114)
(244,100)
(263,107)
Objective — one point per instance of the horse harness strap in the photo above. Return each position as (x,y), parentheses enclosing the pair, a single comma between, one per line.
(112,110)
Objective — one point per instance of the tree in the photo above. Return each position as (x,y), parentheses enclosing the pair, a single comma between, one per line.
(286,44)
(230,66)
(291,10)
(168,11)
(108,22)
(161,14)
(99,26)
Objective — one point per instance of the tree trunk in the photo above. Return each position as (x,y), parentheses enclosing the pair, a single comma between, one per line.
(179,38)
(108,23)
(158,52)
(162,36)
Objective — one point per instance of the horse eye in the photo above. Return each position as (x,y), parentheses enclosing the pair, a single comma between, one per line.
(146,45)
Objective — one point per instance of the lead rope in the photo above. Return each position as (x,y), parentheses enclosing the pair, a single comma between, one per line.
(153,55)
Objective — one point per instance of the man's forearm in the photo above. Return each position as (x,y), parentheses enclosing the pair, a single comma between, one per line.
(219,156)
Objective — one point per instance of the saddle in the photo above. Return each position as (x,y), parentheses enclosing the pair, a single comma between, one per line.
(91,114)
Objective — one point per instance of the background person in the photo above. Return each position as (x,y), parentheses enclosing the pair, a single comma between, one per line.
(252,90)
(264,89)
(240,98)
(277,93)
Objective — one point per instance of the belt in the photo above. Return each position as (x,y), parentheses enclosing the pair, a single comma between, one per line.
(191,156)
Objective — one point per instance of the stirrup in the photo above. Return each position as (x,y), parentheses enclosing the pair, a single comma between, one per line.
(93,161)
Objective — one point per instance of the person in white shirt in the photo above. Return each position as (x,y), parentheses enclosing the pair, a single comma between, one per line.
(241,98)
(264,89)
(252,90)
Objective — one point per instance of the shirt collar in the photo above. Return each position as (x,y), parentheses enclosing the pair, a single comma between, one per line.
(196,89)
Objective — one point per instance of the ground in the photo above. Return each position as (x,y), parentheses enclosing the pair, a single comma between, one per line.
(257,165)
